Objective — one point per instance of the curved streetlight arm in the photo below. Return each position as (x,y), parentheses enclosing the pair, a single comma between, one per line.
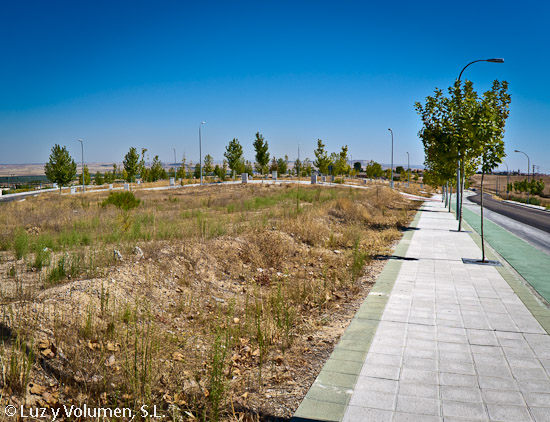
(481,60)
(528,162)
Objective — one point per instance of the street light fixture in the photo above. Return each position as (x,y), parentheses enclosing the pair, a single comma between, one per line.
(482,60)
(83,181)
(391,180)
(528,165)
(200,148)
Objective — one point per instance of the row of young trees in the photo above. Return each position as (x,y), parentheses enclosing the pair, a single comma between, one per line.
(61,168)
(533,187)
(465,131)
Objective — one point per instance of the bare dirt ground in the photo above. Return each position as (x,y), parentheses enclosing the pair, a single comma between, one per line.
(220,303)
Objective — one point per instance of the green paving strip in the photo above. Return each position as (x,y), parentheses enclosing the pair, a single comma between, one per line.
(328,397)
(530,263)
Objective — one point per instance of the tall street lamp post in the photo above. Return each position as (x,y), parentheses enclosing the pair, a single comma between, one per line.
(528,165)
(83,181)
(200,148)
(507,178)
(458,176)
(391,179)
(408,169)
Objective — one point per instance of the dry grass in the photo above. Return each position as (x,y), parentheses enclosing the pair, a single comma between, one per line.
(239,294)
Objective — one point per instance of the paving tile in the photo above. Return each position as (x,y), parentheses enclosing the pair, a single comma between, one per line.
(541,414)
(498,383)
(524,362)
(383,359)
(536,386)
(418,376)
(458,380)
(475,411)
(409,417)
(381,371)
(329,394)
(516,352)
(455,357)
(336,379)
(457,367)
(466,394)
(508,413)
(537,399)
(417,405)
(413,389)
(362,414)
(376,384)
(529,373)
(343,366)
(419,363)
(324,411)
(373,399)
(503,397)
(499,371)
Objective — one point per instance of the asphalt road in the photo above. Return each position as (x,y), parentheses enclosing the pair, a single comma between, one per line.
(530,216)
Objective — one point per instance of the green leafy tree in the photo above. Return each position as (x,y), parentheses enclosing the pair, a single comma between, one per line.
(399,170)
(219,172)
(306,167)
(87,176)
(374,170)
(109,178)
(248,168)
(234,156)
(197,172)
(141,165)
(208,166)
(98,179)
(486,128)
(282,165)
(60,168)
(297,167)
(340,161)
(438,136)
(357,167)
(131,164)
(274,166)
(322,159)
(157,171)
(262,155)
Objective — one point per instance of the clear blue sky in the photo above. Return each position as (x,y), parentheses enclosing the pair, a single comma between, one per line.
(145,74)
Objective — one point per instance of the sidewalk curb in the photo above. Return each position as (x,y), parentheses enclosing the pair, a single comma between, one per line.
(329,395)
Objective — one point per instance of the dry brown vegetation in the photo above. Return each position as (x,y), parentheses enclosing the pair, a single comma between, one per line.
(226,311)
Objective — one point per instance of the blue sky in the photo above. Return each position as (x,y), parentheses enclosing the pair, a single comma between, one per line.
(145,74)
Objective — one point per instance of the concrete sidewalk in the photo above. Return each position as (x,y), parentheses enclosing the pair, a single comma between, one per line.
(438,340)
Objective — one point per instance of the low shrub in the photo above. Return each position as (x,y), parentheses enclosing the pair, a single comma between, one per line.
(122,200)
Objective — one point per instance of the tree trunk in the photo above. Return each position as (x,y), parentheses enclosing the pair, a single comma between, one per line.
(450,196)
(462,178)
(482,241)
